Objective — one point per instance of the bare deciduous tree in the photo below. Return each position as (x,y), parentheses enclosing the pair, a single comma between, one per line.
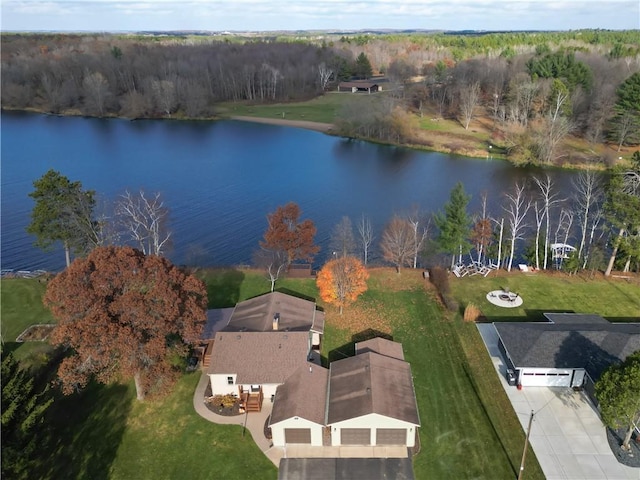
(273,262)
(397,242)
(144,219)
(420,229)
(365,234)
(588,196)
(469,100)
(549,199)
(342,242)
(324,75)
(165,95)
(96,91)
(517,208)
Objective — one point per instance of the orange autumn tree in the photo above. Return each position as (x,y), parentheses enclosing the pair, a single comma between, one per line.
(341,281)
(286,233)
(124,315)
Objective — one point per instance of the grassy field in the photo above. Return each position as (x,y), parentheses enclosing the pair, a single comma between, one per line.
(468,429)
(323,109)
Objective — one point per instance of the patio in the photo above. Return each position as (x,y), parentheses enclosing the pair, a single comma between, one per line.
(504,298)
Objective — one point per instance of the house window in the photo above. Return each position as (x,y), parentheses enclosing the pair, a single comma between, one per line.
(229,380)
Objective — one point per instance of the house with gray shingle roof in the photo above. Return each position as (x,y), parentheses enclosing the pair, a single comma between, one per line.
(570,350)
(266,339)
(368,399)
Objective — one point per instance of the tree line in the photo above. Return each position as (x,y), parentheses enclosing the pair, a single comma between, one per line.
(536,89)
(599,217)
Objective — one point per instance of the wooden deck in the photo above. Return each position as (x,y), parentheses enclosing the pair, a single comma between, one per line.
(250,401)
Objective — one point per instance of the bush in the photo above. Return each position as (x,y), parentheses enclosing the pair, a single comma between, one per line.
(440,279)
(471,313)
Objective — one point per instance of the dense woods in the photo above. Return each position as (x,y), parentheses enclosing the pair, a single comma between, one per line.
(531,90)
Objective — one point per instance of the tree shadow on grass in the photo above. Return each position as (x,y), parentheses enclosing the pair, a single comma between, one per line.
(223,287)
(297,295)
(83,432)
(349,349)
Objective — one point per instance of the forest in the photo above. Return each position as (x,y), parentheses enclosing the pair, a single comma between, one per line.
(537,94)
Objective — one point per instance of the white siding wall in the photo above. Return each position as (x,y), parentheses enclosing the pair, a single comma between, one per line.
(277,431)
(372,421)
(220,385)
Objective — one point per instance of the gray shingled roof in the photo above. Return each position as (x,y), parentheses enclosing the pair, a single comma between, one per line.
(304,395)
(568,343)
(382,346)
(295,314)
(345,469)
(371,383)
(259,357)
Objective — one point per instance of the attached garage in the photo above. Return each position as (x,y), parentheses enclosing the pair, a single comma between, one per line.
(570,350)
(542,377)
(391,436)
(297,435)
(355,436)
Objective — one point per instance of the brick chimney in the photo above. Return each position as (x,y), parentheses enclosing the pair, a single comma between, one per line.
(276,321)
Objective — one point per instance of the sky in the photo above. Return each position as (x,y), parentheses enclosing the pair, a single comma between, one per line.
(270,15)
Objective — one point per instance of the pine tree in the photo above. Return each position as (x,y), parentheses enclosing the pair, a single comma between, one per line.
(454,224)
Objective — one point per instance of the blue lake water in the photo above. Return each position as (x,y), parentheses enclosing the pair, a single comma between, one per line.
(220,179)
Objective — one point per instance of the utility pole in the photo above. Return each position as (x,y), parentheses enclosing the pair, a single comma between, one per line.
(526,444)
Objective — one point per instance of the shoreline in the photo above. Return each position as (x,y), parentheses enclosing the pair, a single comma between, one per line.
(326,128)
(317,126)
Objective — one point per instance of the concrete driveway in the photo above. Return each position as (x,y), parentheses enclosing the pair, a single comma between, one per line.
(567,434)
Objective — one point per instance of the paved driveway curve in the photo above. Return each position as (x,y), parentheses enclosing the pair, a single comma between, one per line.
(567,434)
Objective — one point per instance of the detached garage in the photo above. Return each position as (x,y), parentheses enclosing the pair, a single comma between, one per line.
(570,350)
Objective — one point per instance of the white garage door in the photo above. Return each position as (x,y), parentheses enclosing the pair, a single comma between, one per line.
(355,436)
(545,378)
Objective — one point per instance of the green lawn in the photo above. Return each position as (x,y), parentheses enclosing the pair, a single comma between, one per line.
(323,109)
(614,299)
(20,307)
(468,429)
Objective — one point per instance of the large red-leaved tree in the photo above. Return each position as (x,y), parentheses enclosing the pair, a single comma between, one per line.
(288,234)
(342,281)
(124,315)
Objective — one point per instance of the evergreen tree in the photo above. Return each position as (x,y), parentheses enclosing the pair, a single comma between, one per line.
(63,212)
(625,125)
(454,224)
(23,409)
(363,66)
